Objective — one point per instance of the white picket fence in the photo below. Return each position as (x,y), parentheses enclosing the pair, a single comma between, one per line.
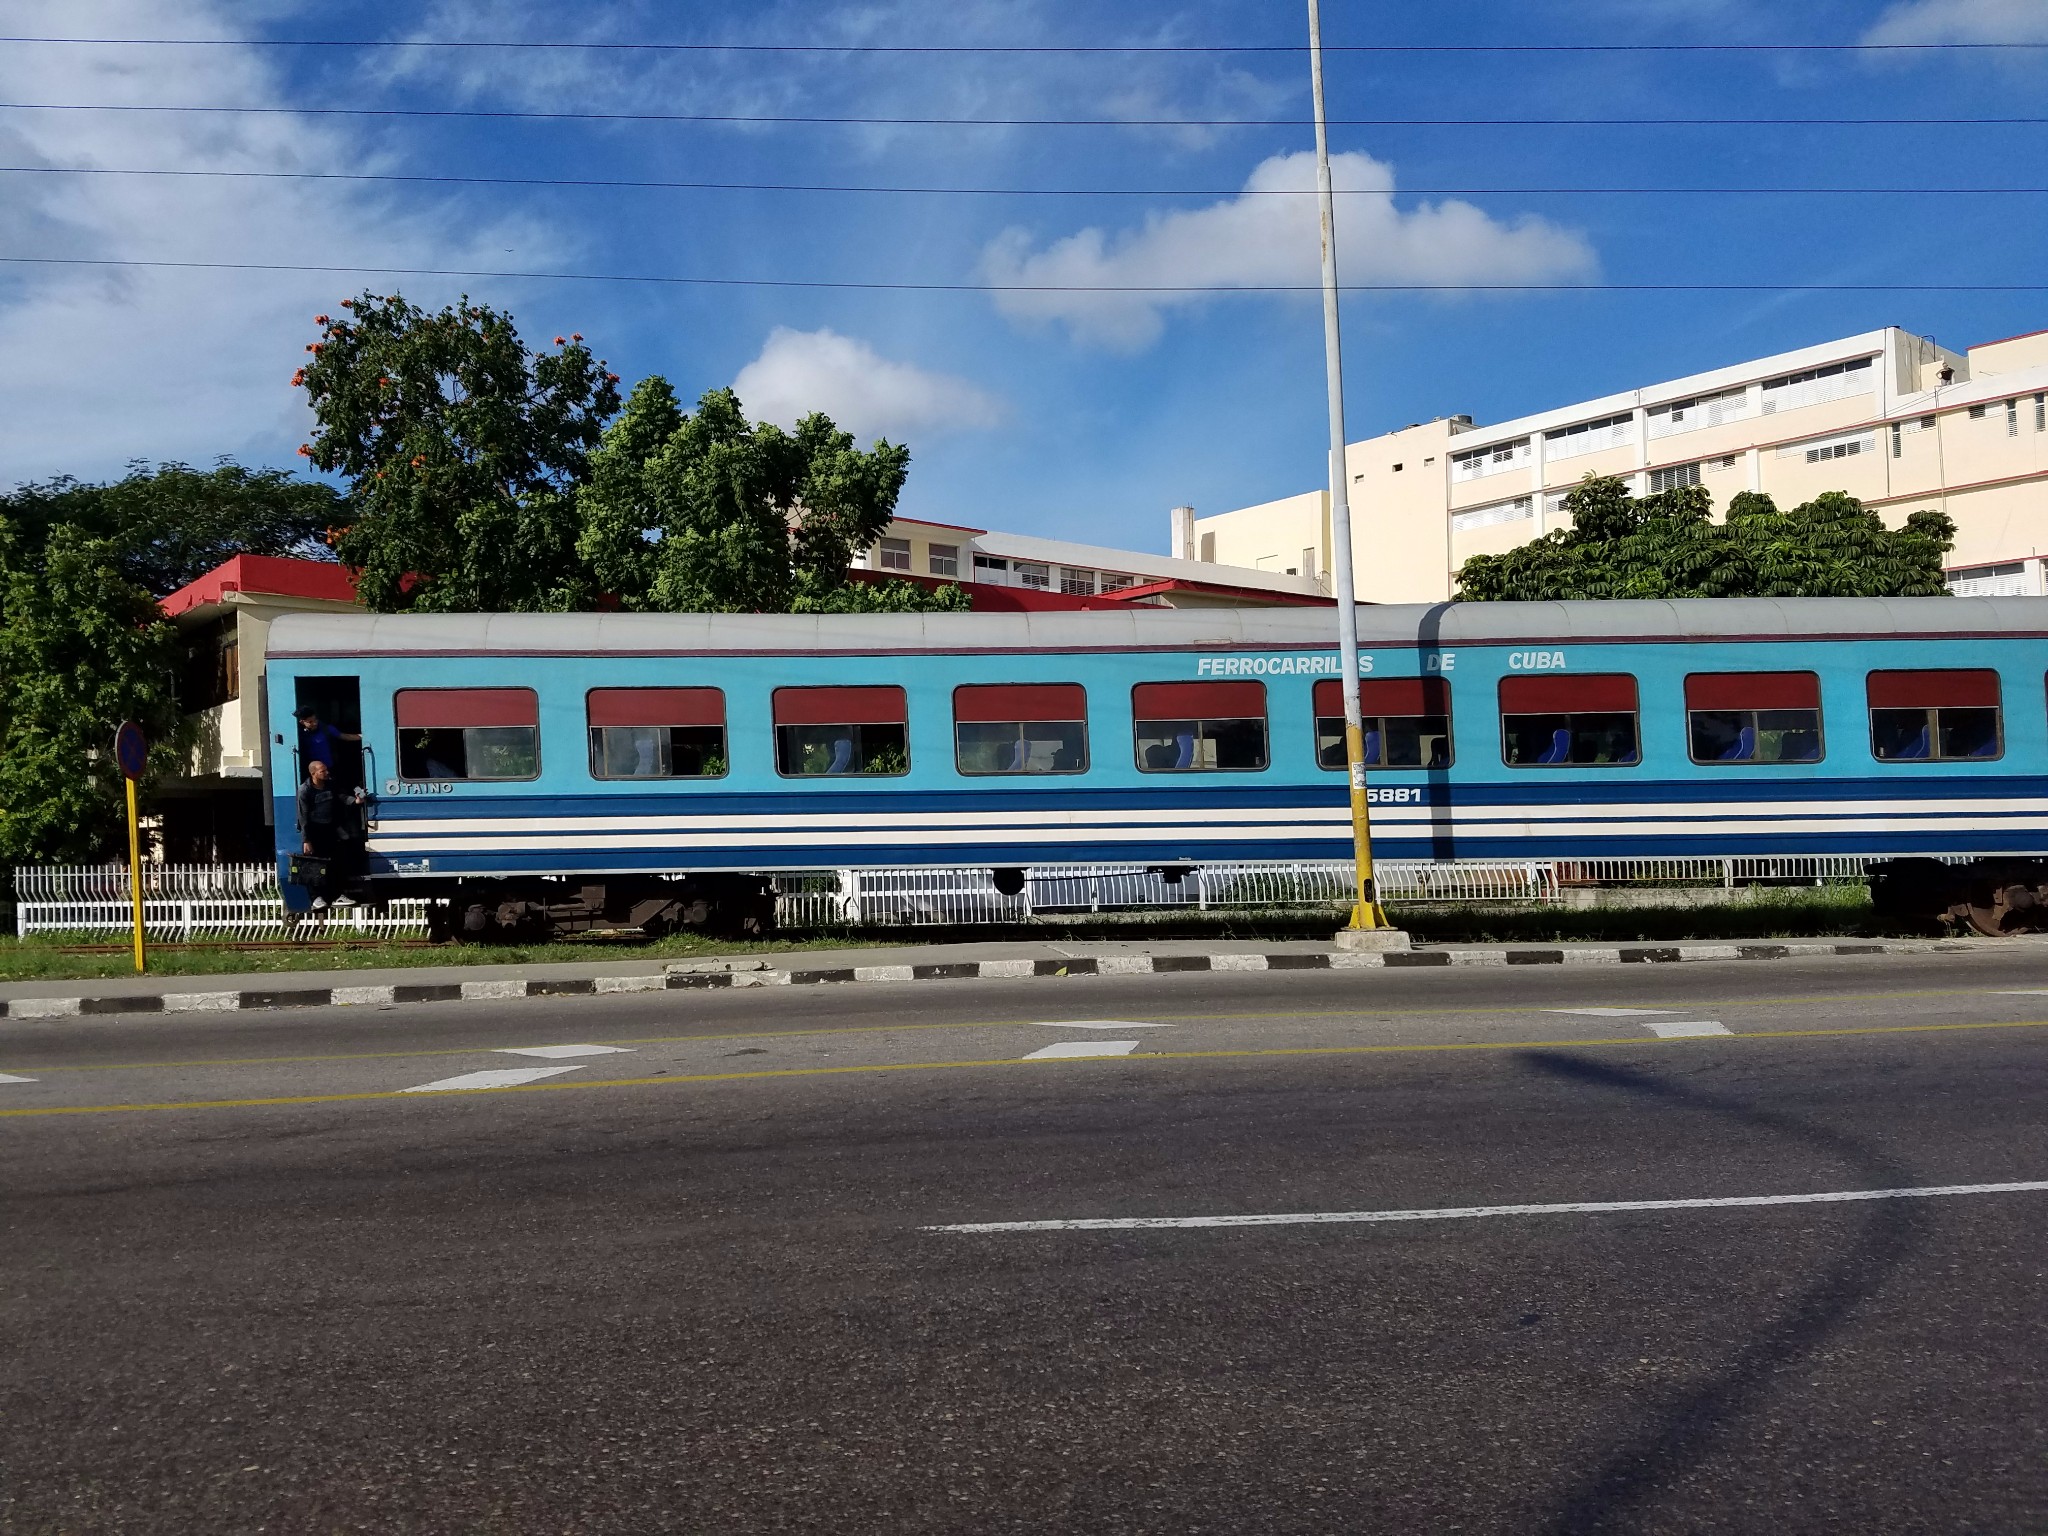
(180,902)
(241,901)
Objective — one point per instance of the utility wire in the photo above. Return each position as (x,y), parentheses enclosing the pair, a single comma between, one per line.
(565,44)
(1045,122)
(999,288)
(914,191)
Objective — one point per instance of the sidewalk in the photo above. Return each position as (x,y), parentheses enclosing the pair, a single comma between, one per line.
(903,963)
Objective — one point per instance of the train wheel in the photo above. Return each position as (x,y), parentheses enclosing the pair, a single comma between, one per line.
(1986,917)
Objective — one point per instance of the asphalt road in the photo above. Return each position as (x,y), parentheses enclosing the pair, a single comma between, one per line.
(700,1282)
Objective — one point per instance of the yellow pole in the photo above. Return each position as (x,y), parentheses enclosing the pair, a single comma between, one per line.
(135,872)
(1367,915)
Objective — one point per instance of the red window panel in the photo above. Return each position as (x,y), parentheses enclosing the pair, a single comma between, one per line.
(1752,690)
(1199,701)
(1933,690)
(840,706)
(656,706)
(463,708)
(1588,693)
(1386,696)
(1004,702)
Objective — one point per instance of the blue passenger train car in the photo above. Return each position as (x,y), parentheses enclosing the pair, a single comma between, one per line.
(555,770)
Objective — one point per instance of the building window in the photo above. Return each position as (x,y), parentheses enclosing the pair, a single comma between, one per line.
(1672,476)
(1816,386)
(1406,722)
(1588,720)
(2012,418)
(468,733)
(1029,575)
(656,733)
(1117,581)
(1077,583)
(1496,459)
(2041,413)
(1589,437)
(1979,412)
(1723,464)
(893,554)
(1199,727)
(1498,512)
(944,559)
(1001,728)
(1831,448)
(1934,717)
(1700,411)
(992,569)
(1753,717)
(2007,580)
(837,732)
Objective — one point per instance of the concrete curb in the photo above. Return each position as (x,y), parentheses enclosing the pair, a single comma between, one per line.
(693,975)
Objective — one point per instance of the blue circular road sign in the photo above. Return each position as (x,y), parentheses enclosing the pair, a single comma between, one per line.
(131,749)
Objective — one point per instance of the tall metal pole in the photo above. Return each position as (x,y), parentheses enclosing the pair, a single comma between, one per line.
(1365,911)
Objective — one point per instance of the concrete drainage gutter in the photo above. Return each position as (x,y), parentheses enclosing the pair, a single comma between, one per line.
(699,974)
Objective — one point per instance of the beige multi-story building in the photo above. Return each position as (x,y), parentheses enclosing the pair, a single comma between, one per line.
(1889,417)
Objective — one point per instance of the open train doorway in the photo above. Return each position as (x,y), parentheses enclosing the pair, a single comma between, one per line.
(329,714)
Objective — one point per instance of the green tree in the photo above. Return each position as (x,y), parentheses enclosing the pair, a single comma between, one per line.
(462,449)
(167,525)
(1667,546)
(711,513)
(83,647)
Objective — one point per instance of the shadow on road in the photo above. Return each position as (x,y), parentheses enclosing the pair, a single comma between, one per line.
(1681,1432)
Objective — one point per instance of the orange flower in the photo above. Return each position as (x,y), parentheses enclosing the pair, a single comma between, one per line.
(298,378)
(383,382)
(558,341)
(417,461)
(348,303)
(319,319)
(305,451)
(575,335)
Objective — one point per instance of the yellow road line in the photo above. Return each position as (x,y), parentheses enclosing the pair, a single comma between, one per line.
(1364,1015)
(947,1066)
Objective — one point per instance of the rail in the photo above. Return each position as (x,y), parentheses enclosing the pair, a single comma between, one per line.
(241,901)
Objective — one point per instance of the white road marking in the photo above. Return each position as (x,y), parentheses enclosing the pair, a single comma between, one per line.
(1098,1024)
(564,1052)
(1675,1029)
(1611,1013)
(504,1077)
(1072,1048)
(1469,1212)
(6,1078)
(2022,992)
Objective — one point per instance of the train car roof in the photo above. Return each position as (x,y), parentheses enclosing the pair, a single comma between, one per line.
(1389,625)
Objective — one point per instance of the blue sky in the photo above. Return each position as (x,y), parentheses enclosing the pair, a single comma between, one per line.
(1066,415)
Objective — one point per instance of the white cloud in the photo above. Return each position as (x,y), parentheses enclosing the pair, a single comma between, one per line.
(1262,240)
(101,364)
(1962,21)
(867,394)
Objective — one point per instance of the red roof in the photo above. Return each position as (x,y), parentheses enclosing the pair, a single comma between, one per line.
(267,575)
(925,522)
(1261,597)
(987,597)
(2001,341)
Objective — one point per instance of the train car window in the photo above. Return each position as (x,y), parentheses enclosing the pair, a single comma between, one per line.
(1753,717)
(1407,722)
(656,733)
(1020,728)
(1934,717)
(1586,720)
(1199,727)
(468,733)
(841,732)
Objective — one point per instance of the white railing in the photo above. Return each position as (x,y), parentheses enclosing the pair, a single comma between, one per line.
(241,901)
(181,902)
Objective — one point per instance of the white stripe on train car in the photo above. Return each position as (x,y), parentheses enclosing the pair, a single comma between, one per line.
(1716,810)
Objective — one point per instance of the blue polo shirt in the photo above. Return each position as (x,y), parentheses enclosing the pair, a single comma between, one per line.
(318,745)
